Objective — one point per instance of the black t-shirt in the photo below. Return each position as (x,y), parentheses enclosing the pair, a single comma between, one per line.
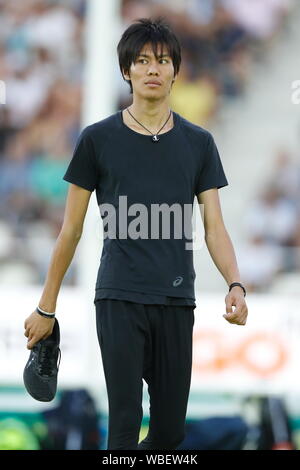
(116,161)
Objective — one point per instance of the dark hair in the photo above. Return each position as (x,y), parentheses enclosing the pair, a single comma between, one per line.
(146,30)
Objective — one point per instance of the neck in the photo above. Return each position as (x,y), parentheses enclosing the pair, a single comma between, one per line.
(152,115)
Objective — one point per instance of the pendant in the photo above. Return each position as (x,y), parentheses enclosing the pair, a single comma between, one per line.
(155,138)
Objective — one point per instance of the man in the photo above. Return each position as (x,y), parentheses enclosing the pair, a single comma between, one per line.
(144,294)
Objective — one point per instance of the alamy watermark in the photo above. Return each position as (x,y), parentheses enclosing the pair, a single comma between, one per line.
(155,221)
(2,92)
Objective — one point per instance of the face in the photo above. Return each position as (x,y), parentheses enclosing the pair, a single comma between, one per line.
(148,69)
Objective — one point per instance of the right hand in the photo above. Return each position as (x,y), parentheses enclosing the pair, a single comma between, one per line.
(37,327)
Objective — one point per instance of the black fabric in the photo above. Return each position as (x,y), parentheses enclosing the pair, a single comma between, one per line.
(115,161)
(141,297)
(153,342)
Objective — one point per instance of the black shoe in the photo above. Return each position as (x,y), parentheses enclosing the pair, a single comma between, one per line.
(40,372)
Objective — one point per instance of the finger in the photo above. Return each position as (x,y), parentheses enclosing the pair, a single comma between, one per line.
(229,308)
(231,316)
(238,311)
(235,314)
(243,316)
(31,341)
(30,344)
(238,306)
(228,318)
(30,332)
(232,319)
(238,321)
(238,315)
(241,321)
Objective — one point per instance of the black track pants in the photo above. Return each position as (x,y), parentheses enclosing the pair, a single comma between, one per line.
(153,342)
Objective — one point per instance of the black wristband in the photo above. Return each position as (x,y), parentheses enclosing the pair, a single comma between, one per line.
(44,314)
(237,284)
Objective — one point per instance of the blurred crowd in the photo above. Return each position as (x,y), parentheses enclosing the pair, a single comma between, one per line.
(41,63)
(272,227)
(220,40)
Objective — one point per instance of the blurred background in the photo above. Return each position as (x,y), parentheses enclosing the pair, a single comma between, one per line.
(240,58)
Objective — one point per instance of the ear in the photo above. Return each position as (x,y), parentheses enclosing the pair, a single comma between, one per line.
(126,75)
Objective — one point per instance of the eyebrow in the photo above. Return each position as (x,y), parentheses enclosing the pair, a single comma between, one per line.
(161,55)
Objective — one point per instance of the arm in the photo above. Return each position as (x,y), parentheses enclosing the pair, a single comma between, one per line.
(36,326)
(222,253)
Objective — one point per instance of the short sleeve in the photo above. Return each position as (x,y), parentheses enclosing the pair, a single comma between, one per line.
(83,168)
(211,175)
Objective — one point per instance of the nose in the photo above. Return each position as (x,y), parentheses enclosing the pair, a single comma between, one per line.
(152,69)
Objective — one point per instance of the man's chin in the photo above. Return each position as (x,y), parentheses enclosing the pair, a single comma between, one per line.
(152,95)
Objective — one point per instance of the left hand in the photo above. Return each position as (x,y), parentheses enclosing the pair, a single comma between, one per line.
(236,298)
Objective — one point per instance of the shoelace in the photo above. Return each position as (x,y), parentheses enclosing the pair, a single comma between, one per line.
(46,361)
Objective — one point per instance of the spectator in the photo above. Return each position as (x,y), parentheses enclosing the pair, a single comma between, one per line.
(272,217)
(259,263)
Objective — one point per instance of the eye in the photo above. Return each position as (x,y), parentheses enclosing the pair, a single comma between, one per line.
(165,60)
(141,60)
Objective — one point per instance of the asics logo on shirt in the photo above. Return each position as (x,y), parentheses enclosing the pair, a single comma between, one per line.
(177,281)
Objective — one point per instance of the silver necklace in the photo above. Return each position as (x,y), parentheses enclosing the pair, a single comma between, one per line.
(154,137)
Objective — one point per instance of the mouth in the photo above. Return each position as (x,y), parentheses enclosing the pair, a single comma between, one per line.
(152,84)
